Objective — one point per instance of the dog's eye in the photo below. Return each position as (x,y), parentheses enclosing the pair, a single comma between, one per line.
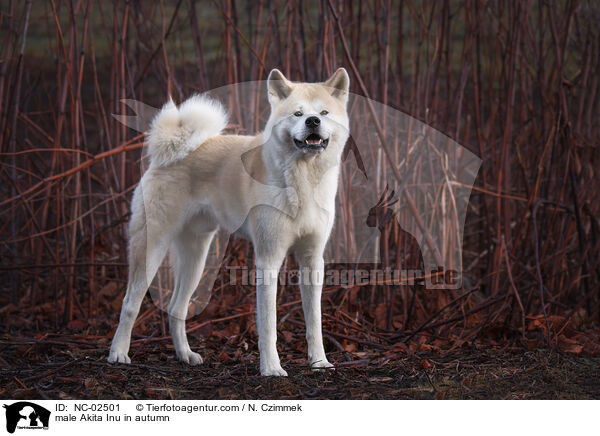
(323,112)
(298,113)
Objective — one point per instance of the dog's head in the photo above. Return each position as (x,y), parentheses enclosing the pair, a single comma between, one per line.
(308,118)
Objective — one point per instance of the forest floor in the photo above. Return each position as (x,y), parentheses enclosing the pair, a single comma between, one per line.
(75,367)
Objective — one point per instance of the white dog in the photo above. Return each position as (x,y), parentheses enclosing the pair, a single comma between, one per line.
(277,189)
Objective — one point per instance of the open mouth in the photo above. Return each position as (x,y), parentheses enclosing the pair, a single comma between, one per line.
(312,142)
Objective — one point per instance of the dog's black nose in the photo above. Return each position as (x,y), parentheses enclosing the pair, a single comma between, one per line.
(312,122)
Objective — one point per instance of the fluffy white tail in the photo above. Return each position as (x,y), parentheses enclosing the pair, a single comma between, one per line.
(177,131)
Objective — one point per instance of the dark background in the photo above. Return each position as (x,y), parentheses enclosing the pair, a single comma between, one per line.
(516,82)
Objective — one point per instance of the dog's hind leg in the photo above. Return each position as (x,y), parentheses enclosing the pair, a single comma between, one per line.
(140,270)
(149,240)
(190,249)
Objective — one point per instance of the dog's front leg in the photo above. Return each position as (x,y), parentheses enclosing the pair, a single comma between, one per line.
(267,271)
(312,272)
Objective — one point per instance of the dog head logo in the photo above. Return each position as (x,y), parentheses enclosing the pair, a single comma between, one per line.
(26,415)
(396,174)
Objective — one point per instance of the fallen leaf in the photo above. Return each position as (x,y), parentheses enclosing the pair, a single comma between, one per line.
(349,346)
(569,345)
(424,363)
(223,356)
(287,336)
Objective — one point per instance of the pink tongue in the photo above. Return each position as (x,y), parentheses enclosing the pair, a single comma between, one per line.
(313,141)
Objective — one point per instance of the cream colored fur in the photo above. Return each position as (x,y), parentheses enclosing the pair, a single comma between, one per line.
(176,132)
(269,188)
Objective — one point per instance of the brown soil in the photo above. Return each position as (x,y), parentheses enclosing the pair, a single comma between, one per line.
(70,367)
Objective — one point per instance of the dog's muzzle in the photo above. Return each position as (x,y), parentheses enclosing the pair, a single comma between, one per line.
(312,142)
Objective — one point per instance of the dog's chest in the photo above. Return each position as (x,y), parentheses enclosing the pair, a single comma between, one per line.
(314,216)
(314,204)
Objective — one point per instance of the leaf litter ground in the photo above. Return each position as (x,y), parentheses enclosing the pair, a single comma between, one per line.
(74,367)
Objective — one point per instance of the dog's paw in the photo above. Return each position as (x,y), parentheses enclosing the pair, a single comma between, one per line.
(321,365)
(273,370)
(189,357)
(118,357)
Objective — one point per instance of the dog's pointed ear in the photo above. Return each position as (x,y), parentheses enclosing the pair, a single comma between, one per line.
(339,84)
(278,86)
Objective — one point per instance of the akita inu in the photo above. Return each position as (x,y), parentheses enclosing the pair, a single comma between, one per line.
(277,189)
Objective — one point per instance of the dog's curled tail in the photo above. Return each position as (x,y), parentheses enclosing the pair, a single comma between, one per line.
(177,131)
